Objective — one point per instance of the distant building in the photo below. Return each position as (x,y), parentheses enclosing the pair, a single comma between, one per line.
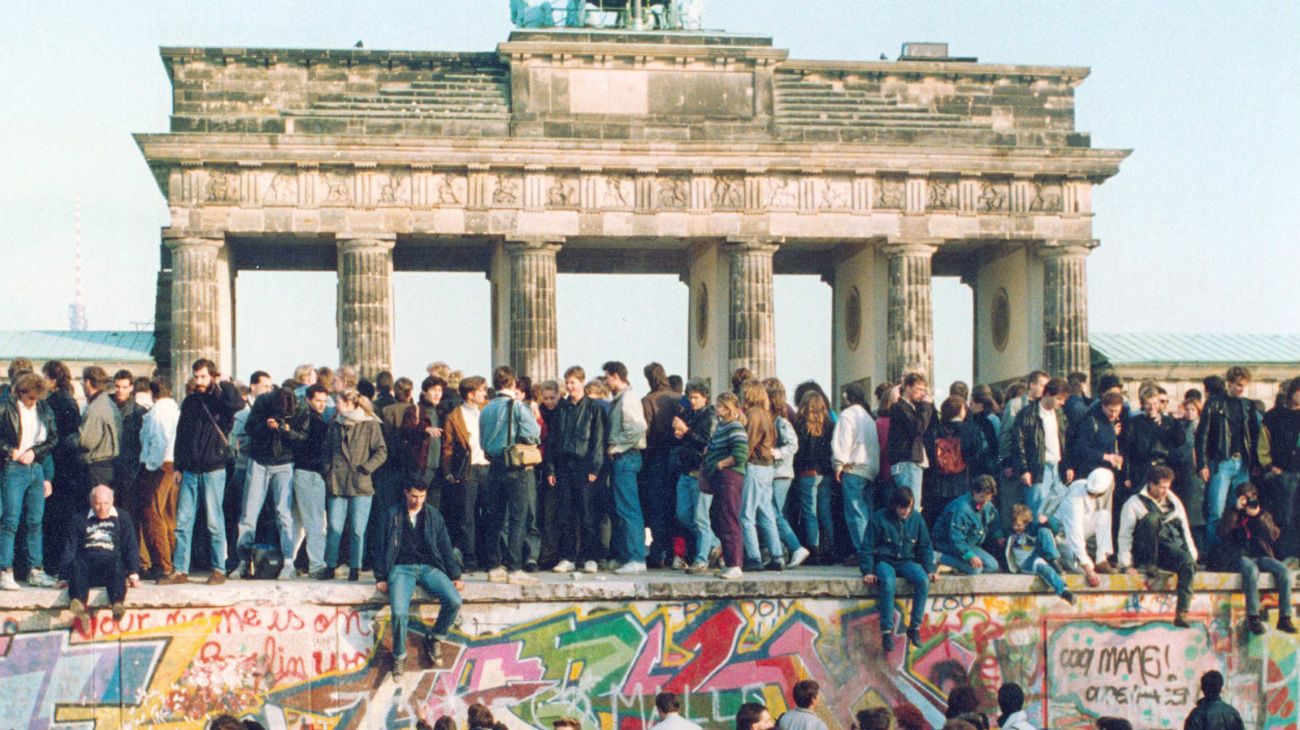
(1180,361)
(112,350)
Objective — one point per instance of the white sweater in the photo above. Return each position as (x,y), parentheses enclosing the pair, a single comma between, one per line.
(158,434)
(855,447)
(1134,510)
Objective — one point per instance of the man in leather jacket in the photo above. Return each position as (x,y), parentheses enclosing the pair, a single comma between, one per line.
(27,435)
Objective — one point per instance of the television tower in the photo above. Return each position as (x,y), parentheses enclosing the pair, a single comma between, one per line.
(77,309)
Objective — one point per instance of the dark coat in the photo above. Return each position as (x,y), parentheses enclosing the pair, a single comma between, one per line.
(814,451)
(435,531)
(577,431)
(1092,439)
(11,430)
(1214,434)
(1146,443)
(307,437)
(1242,536)
(689,452)
(1213,714)
(203,430)
(909,424)
(270,446)
(1028,441)
(125,547)
(894,541)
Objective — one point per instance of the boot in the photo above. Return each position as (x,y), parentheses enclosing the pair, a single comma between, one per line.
(1284,625)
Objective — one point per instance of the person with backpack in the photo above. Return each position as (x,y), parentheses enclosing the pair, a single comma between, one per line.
(944,442)
(1154,534)
(965,524)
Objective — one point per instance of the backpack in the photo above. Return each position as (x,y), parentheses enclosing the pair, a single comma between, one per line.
(947,455)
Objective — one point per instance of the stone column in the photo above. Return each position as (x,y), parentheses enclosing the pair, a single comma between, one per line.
(532,308)
(911,318)
(195,303)
(1065,306)
(752,327)
(365,303)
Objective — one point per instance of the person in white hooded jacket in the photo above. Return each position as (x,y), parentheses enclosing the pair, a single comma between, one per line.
(155,510)
(1154,534)
(1085,514)
(855,457)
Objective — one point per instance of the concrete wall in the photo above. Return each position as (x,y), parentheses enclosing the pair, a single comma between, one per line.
(299,655)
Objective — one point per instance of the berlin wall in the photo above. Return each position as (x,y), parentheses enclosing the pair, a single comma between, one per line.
(293,655)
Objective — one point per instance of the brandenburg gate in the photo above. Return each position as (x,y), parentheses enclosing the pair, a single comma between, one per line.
(710,156)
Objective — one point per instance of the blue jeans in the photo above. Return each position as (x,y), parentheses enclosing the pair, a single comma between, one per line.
(756,508)
(279,479)
(960,565)
(909,474)
(1250,568)
(1048,487)
(1224,477)
(856,509)
(814,497)
(780,493)
(210,486)
(913,573)
(341,510)
(693,514)
(1037,562)
(629,544)
(23,501)
(309,511)
(401,588)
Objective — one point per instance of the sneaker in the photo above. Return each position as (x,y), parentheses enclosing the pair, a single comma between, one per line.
(887,642)
(324,574)
(1104,568)
(1284,625)
(7,581)
(431,651)
(77,608)
(174,579)
(521,578)
(38,579)
(1069,597)
(590,567)
(399,665)
(698,568)
(354,575)
(914,637)
(679,564)
(288,572)
(775,566)
(630,568)
(797,557)
(752,566)
(216,578)
(1180,620)
(498,574)
(1151,571)
(530,566)
(1255,626)
(732,573)
(119,610)
(715,557)
(564,566)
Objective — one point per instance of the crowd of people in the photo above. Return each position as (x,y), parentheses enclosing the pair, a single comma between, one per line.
(962,713)
(312,476)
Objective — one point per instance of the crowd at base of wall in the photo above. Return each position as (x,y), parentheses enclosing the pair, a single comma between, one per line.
(295,654)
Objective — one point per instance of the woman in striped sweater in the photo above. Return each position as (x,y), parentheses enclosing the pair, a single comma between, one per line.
(723,469)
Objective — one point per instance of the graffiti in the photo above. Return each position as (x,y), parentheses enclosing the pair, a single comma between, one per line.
(309,667)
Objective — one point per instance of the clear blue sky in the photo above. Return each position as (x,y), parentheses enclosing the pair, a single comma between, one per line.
(1198,231)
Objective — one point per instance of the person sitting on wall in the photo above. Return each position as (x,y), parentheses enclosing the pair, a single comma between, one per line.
(964,525)
(1247,541)
(1034,551)
(1154,534)
(416,550)
(1082,519)
(896,544)
(101,551)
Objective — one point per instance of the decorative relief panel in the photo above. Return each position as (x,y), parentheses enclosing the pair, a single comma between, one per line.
(672,192)
(392,187)
(941,194)
(281,189)
(728,193)
(834,193)
(222,186)
(562,191)
(993,197)
(1046,198)
(890,193)
(506,190)
(783,192)
(617,193)
(338,187)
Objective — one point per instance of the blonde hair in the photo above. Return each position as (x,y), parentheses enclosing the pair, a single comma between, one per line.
(596,388)
(813,413)
(728,408)
(755,395)
(1020,514)
(352,395)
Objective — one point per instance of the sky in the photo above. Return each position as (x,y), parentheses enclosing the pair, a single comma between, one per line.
(1198,231)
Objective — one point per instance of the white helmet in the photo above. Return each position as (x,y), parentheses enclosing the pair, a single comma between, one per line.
(1100,481)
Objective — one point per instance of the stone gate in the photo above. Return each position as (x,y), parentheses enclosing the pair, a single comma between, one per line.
(711,156)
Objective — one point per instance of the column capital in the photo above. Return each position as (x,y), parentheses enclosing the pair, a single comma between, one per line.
(911,246)
(516,245)
(1073,247)
(753,244)
(361,241)
(174,239)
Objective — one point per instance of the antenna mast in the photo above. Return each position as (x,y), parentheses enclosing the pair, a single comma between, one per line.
(77,310)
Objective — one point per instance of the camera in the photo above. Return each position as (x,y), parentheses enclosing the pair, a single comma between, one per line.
(1252,503)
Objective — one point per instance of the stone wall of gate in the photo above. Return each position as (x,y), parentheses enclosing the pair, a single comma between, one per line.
(296,655)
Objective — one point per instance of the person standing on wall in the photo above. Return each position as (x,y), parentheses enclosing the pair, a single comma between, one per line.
(814,474)
(1279,459)
(354,451)
(910,420)
(308,437)
(417,551)
(855,457)
(202,453)
(156,488)
(270,473)
(511,492)
(1040,448)
(465,471)
(65,459)
(28,434)
(784,452)
(576,454)
(757,521)
(656,477)
(693,427)
(100,435)
(1226,441)
(127,464)
(627,439)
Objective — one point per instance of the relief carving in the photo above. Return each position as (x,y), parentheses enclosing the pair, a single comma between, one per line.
(338,188)
(1047,198)
(218,189)
(617,188)
(507,190)
(940,194)
(283,189)
(396,189)
(728,193)
(446,189)
(889,193)
(833,194)
(563,193)
(992,199)
(673,193)
(784,193)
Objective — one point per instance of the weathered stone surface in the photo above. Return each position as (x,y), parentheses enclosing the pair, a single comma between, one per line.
(532,308)
(195,303)
(752,330)
(365,270)
(1065,310)
(911,318)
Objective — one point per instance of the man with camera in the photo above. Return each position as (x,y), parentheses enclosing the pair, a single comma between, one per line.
(1247,544)
(511,494)
(270,468)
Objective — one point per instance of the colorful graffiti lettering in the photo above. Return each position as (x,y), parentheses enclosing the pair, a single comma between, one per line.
(326,668)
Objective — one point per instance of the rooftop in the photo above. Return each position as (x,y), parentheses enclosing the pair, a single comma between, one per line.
(1162,347)
(101,345)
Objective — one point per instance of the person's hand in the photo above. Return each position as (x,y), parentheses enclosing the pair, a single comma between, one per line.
(458,584)
(431,432)
(870,580)
(1274,470)
(1133,572)
(61,585)
(435,432)
(1042,519)
(49,488)
(1027,479)
(550,481)
(382,587)
(839,474)
(14,455)
(272,424)
(1205,475)
(976,563)
(591,478)
(1253,511)
(1092,577)
(1241,502)
(1114,460)
(133,581)
(1069,475)
(176,477)
(934,577)
(27,457)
